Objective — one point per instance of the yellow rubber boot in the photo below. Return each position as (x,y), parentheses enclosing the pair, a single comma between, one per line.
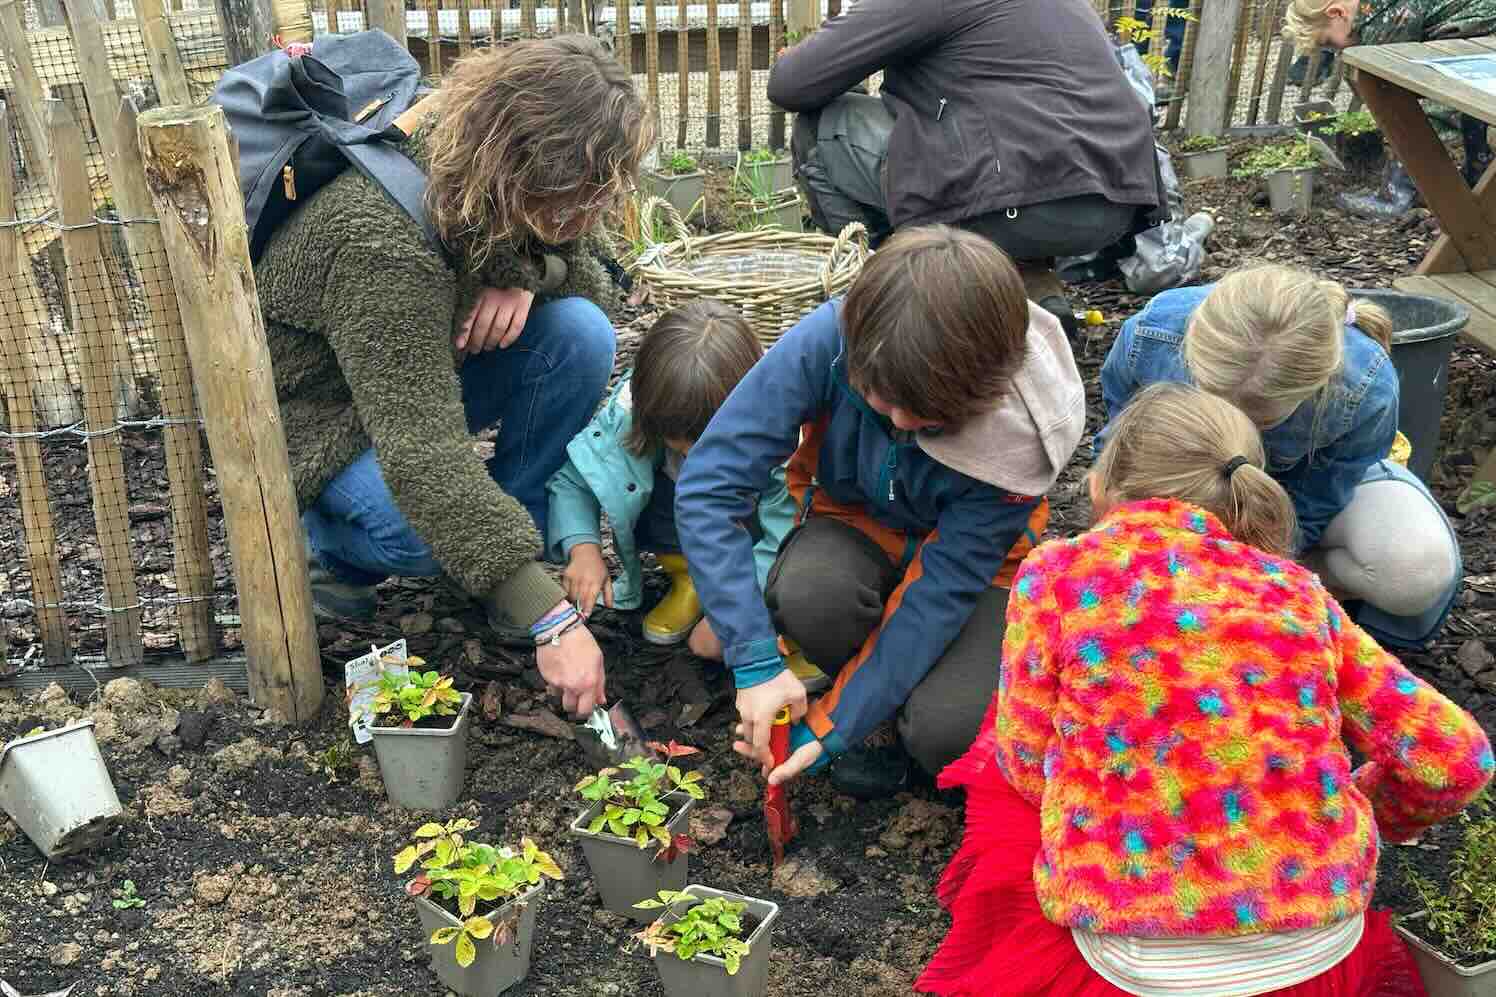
(671,621)
(809,675)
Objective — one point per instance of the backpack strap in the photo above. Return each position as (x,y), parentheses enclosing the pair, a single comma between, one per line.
(401,180)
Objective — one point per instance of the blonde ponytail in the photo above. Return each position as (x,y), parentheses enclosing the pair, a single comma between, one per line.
(1176,441)
(1270,337)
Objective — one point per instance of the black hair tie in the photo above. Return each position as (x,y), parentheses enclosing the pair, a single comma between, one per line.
(1231,465)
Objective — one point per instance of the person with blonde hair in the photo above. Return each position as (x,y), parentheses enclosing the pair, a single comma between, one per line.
(1159,801)
(1336,24)
(1309,365)
(390,352)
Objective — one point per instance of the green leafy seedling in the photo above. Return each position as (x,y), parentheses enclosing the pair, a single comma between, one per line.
(707,927)
(1294,155)
(415,695)
(1462,911)
(128,898)
(682,162)
(1203,143)
(467,874)
(336,757)
(633,808)
(1353,123)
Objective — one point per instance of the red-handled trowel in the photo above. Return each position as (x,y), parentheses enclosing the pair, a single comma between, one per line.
(777,815)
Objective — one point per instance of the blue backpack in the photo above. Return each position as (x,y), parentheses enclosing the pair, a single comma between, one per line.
(301,119)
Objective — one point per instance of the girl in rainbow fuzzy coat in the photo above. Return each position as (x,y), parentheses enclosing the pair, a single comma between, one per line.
(1160,802)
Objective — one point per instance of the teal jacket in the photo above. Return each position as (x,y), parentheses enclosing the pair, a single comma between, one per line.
(601,475)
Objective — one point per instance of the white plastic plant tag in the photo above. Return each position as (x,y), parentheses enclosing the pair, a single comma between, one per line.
(361,676)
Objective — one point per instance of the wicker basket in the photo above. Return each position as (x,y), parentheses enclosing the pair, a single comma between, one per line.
(772,276)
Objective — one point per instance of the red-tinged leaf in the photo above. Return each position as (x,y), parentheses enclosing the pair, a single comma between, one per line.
(419,886)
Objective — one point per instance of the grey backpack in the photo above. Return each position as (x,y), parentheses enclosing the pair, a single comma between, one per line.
(301,119)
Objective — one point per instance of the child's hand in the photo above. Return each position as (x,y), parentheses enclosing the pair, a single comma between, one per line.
(757,707)
(586,577)
(497,319)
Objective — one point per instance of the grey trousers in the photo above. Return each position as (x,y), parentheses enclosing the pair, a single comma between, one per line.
(827,591)
(839,154)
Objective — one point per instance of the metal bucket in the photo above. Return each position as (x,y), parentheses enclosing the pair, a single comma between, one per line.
(1424,332)
(56,787)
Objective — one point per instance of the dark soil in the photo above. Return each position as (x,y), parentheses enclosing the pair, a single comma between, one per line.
(432,722)
(266,874)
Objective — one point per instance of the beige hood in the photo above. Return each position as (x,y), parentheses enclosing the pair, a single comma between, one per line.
(1023,443)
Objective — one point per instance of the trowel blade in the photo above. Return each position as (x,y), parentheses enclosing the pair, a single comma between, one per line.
(611,736)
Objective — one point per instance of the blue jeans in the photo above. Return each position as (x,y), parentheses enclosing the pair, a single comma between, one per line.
(542,389)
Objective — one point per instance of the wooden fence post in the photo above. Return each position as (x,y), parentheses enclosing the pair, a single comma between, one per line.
(36,511)
(195,187)
(121,146)
(713,78)
(248,26)
(776,42)
(1210,75)
(27,84)
(745,75)
(161,52)
(801,18)
(388,16)
(90,297)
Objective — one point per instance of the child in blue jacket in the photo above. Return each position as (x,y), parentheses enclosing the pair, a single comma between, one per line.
(923,417)
(625,464)
(1310,366)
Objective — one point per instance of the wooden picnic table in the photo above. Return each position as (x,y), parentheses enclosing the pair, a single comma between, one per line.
(1461,265)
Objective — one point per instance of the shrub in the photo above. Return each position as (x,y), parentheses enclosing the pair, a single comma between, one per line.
(415,694)
(708,927)
(1462,912)
(632,808)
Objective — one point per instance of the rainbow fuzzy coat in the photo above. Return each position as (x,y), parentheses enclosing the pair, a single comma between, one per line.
(1174,702)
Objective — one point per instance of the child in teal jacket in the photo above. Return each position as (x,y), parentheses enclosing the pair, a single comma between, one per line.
(625,462)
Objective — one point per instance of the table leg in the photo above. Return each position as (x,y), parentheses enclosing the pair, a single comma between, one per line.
(1469,224)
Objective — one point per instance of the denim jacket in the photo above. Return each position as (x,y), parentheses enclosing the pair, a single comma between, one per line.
(601,475)
(1320,452)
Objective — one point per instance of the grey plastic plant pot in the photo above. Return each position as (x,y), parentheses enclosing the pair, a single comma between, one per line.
(1290,192)
(624,872)
(497,968)
(773,175)
(1425,330)
(1209,165)
(706,975)
(423,769)
(1442,977)
(56,787)
(681,190)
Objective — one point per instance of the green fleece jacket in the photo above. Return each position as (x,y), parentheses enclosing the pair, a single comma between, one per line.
(360,315)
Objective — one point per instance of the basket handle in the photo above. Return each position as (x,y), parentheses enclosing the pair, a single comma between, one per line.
(672,218)
(853,239)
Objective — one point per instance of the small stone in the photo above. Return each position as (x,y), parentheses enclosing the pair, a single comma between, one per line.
(800,878)
(243,755)
(152,974)
(215,693)
(610,989)
(874,852)
(101,937)
(1474,658)
(178,776)
(49,888)
(415,624)
(193,726)
(212,889)
(53,695)
(448,625)
(65,954)
(124,693)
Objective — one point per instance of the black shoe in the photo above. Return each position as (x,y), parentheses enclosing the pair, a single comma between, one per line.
(873,773)
(1060,309)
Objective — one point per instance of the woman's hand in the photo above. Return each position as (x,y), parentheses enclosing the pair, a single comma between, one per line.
(757,707)
(586,578)
(497,319)
(573,667)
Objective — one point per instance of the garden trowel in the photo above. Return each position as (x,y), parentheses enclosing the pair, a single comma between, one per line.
(610,737)
(777,816)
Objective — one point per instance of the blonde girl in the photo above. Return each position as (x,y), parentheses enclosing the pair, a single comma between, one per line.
(1309,365)
(1160,801)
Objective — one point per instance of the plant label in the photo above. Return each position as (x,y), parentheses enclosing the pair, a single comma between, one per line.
(361,677)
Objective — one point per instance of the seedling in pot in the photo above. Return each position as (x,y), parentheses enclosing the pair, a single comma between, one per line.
(1294,155)
(415,695)
(681,163)
(460,876)
(1459,917)
(128,898)
(633,808)
(1203,143)
(709,927)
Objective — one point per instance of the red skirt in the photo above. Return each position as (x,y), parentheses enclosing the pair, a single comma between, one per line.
(1000,945)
